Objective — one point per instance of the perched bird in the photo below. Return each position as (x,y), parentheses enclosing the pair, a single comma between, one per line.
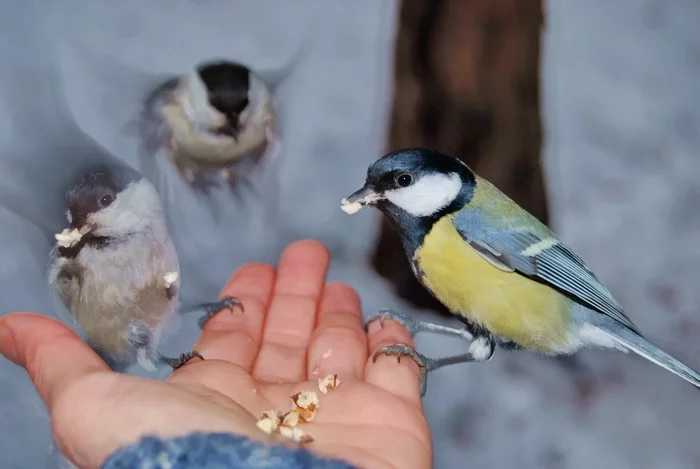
(116,268)
(215,123)
(496,267)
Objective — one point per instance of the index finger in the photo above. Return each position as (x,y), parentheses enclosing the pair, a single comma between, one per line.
(53,355)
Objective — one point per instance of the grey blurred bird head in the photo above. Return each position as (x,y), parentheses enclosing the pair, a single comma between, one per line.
(111,200)
(417,182)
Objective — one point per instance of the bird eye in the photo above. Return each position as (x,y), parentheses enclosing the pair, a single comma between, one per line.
(404,180)
(106,200)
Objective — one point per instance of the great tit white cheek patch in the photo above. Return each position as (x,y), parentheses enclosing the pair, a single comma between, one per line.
(350,207)
(68,237)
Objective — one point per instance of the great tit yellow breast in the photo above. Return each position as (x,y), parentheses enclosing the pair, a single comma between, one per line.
(507,304)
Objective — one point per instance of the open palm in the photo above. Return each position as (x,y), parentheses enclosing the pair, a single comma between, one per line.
(295,329)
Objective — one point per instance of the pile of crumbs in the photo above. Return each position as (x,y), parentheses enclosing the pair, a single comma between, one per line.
(306,404)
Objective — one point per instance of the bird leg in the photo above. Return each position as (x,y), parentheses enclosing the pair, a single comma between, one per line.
(481,343)
(481,349)
(415,326)
(141,337)
(210,309)
(176,363)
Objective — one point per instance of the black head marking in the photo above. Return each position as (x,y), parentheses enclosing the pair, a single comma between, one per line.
(403,167)
(97,242)
(227,85)
(97,187)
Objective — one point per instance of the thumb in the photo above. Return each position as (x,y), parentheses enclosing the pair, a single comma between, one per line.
(53,355)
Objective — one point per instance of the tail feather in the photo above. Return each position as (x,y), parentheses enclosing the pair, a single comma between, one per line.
(641,346)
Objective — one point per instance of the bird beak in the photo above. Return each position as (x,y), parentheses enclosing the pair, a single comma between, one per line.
(81,224)
(227,130)
(364,196)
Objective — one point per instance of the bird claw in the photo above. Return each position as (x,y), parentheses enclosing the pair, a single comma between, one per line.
(405,350)
(178,362)
(210,309)
(411,324)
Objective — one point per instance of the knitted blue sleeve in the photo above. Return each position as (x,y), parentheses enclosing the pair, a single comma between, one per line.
(215,451)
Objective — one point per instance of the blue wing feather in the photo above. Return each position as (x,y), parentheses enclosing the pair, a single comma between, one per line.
(555,264)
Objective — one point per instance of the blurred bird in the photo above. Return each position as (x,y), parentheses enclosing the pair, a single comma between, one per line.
(215,123)
(496,267)
(116,268)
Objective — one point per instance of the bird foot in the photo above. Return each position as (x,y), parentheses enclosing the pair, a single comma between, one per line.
(412,325)
(480,350)
(176,363)
(405,350)
(210,309)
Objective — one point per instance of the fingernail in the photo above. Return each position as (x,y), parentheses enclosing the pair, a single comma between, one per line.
(374,327)
(7,343)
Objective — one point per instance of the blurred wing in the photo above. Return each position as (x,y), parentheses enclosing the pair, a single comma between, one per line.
(540,257)
(155,134)
(152,127)
(137,100)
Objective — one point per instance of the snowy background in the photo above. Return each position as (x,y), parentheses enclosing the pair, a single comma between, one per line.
(621,112)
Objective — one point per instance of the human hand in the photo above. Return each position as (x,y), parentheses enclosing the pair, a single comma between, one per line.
(254,361)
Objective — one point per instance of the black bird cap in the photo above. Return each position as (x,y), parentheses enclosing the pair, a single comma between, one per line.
(383,173)
(227,85)
(96,187)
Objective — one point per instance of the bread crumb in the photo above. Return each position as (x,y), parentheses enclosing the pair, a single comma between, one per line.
(269,421)
(170,278)
(350,207)
(328,383)
(305,404)
(68,237)
(327,354)
(303,437)
(286,432)
(305,399)
(296,434)
(316,369)
(290,419)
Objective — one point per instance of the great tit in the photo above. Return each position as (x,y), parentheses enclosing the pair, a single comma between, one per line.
(502,272)
(116,268)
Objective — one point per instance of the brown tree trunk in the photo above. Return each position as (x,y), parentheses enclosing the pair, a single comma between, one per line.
(467,84)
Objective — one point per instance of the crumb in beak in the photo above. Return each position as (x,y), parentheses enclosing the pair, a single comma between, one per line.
(350,207)
(68,237)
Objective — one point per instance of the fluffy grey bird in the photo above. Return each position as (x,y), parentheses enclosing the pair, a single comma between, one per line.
(215,123)
(116,268)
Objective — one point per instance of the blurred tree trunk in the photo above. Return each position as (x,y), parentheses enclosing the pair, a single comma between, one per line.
(467,84)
